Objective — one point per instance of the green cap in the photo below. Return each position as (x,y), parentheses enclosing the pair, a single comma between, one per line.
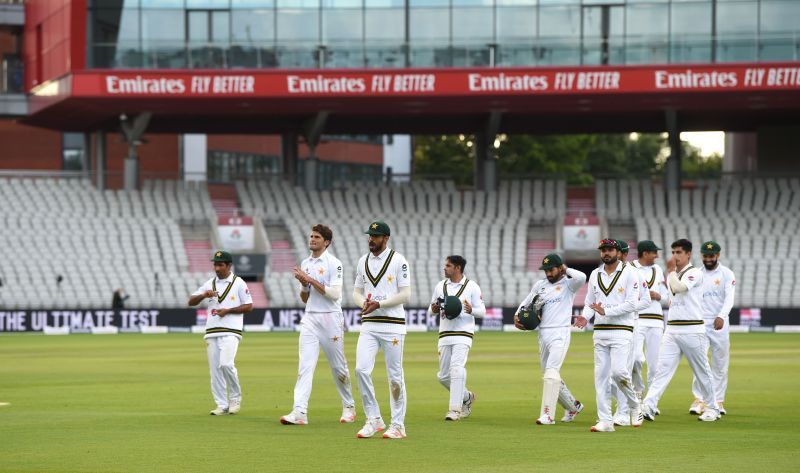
(378,228)
(222,257)
(623,246)
(710,248)
(646,245)
(551,261)
(452,307)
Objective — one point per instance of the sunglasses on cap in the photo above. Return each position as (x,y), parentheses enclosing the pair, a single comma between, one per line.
(608,243)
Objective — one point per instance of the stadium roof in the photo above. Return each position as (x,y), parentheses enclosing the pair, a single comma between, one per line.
(562,100)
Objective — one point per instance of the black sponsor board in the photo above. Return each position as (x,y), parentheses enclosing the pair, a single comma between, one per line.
(83,320)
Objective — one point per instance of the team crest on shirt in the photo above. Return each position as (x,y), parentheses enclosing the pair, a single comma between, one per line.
(233,298)
(321,271)
(390,279)
(558,288)
(716,282)
(620,290)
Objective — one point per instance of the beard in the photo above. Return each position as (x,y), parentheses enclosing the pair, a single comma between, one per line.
(555,278)
(710,266)
(609,259)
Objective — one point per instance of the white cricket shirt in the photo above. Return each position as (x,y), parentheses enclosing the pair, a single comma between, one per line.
(327,270)
(232,292)
(462,328)
(381,277)
(686,308)
(558,298)
(719,287)
(619,294)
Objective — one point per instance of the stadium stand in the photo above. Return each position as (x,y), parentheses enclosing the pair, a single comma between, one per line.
(151,242)
(97,241)
(756,221)
(429,220)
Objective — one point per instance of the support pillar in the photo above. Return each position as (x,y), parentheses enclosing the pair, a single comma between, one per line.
(312,130)
(289,156)
(132,131)
(485,173)
(672,168)
(100,160)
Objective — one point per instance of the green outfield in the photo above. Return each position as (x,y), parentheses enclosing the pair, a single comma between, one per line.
(140,403)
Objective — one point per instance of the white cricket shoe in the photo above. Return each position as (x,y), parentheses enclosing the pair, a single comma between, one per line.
(348,415)
(709,415)
(697,407)
(636,416)
(235,407)
(396,431)
(545,420)
(648,413)
(722,410)
(371,427)
(294,418)
(452,414)
(219,411)
(569,416)
(656,411)
(602,427)
(466,408)
(621,420)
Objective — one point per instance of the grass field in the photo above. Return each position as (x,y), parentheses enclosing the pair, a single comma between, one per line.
(140,403)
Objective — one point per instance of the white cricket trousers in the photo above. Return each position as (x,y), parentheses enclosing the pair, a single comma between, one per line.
(720,342)
(224,377)
(553,347)
(694,347)
(369,343)
(635,365)
(322,330)
(612,364)
(453,372)
(650,337)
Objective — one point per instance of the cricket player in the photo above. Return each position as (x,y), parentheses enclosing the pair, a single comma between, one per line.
(622,416)
(685,334)
(611,300)
(382,286)
(455,335)
(719,285)
(322,326)
(558,292)
(651,319)
(228,300)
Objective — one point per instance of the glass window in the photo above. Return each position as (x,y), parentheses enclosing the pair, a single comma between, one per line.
(384,3)
(298,3)
(298,24)
(429,24)
(475,23)
(428,3)
(342,3)
(72,151)
(515,2)
(780,16)
(198,27)
(740,19)
(162,3)
(163,25)
(647,20)
(111,26)
(516,23)
(692,19)
(560,21)
(220,26)
(253,25)
(342,24)
(210,4)
(384,23)
(252,4)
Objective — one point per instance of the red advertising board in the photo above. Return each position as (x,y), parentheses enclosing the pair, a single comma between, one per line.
(437,83)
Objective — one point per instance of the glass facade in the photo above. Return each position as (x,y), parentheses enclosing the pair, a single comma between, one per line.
(437,33)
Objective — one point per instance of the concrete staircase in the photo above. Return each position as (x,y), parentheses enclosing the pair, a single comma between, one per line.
(258,294)
(224,199)
(197,244)
(283,257)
